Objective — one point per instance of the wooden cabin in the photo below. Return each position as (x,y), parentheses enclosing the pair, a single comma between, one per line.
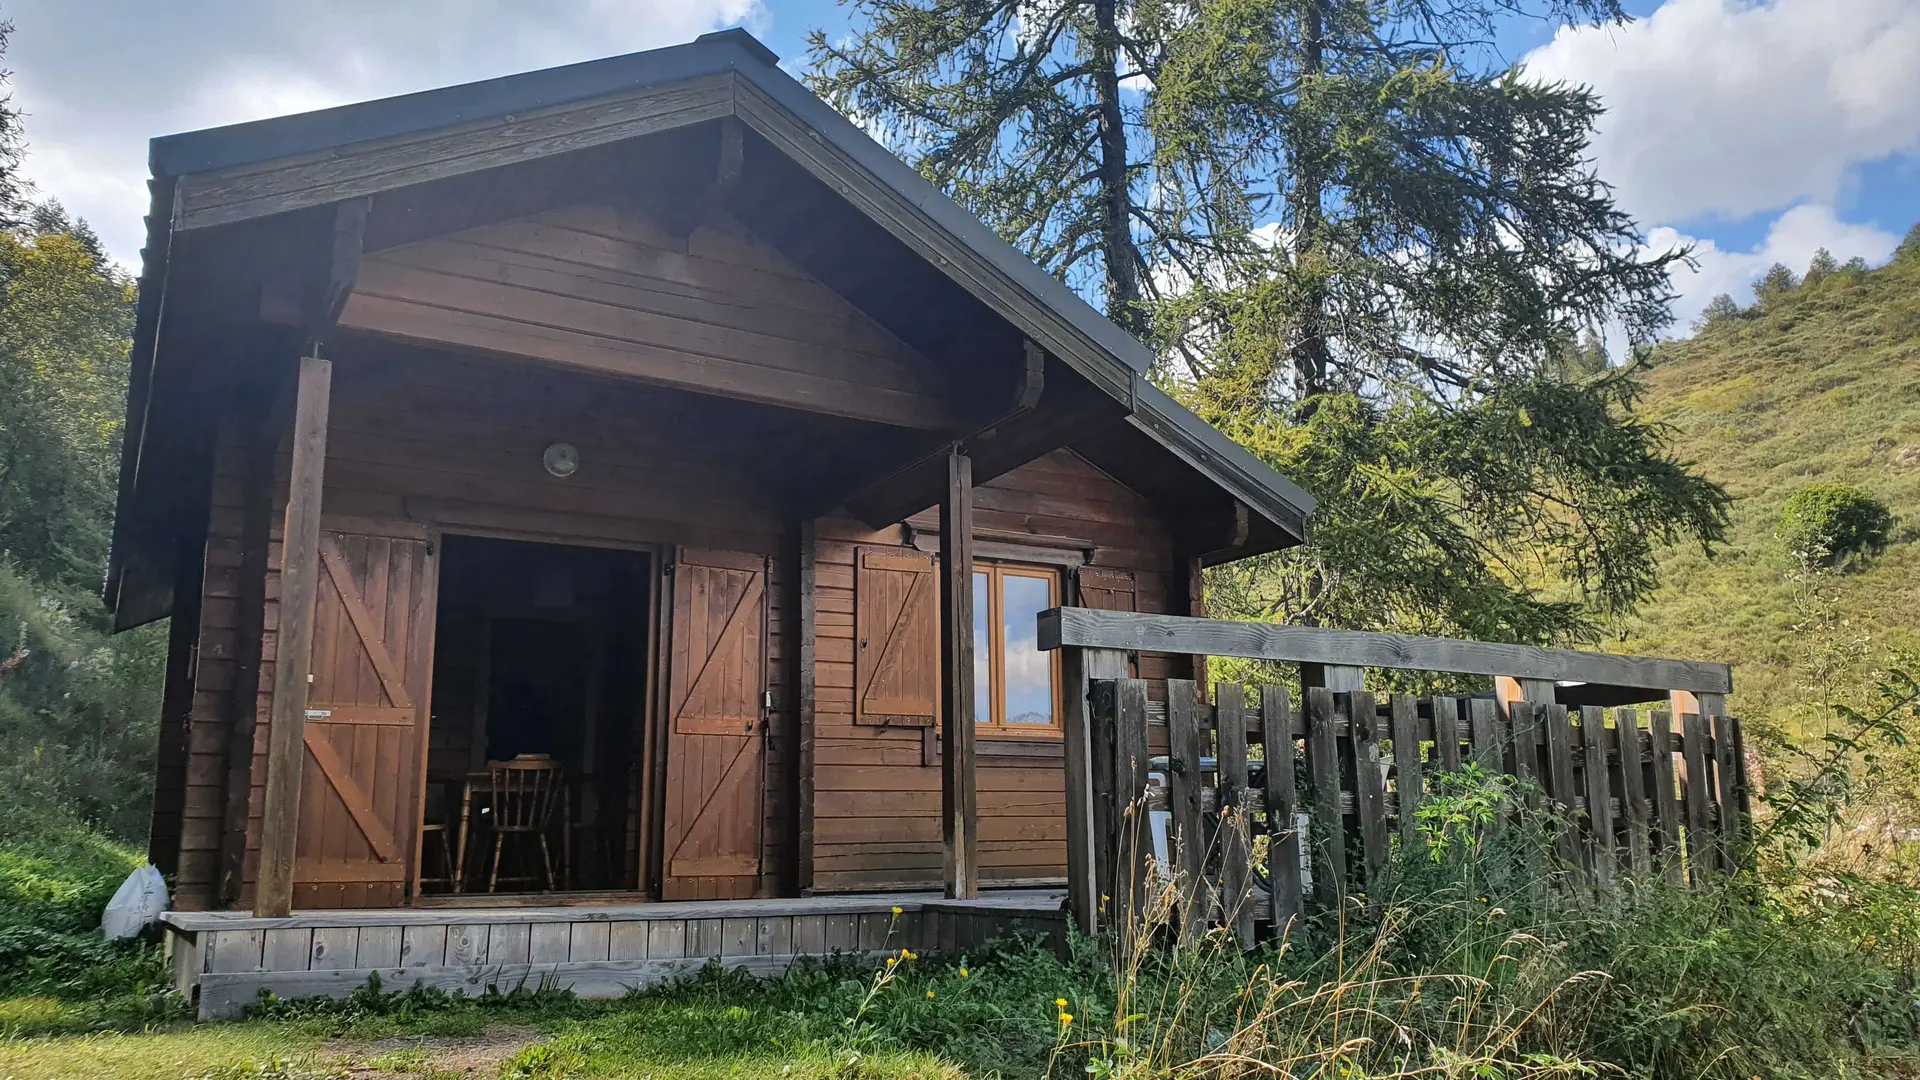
(646,424)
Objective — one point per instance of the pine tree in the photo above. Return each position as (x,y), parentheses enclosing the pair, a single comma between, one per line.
(1719,309)
(1776,284)
(1335,205)
(1823,266)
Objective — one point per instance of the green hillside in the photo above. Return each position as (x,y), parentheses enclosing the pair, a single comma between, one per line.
(1818,383)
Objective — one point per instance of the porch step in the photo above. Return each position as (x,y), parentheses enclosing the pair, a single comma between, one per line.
(228,958)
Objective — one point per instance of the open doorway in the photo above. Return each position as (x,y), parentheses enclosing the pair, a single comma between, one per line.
(537,741)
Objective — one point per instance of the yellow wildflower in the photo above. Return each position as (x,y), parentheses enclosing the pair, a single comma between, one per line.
(1066,1019)
(892,961)
(963,973)
(929,993)
(897,909)
(1060,1002)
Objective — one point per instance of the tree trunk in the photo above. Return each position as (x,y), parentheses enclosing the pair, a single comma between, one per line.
(1123,279)
(1311,354)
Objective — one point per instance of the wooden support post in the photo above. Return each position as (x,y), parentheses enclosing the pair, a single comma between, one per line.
(1089,804)
(299,582)
(959,803)
(1197,607)
(1133,836)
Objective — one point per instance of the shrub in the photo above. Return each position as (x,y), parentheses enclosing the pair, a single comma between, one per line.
(1827,524)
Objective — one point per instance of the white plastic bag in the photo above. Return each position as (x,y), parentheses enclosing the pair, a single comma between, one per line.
(135,905)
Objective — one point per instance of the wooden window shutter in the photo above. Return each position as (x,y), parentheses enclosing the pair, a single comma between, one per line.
(895,651)
(1107,589)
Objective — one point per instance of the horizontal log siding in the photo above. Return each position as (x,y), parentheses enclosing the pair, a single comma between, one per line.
(191,790)
(876,796)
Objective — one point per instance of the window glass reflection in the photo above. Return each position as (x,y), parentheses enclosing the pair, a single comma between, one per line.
(1028,671)
(982,652)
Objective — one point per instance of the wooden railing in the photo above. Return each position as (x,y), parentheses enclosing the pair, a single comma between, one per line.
(1637,791)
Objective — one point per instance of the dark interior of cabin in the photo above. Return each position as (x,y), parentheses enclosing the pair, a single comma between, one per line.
(539,701)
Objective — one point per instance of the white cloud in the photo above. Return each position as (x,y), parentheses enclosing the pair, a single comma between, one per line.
(1731,108)
(1791,240)
(98,79)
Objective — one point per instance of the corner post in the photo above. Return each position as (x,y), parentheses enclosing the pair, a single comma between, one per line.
(299,582)
(1089,822)
(959,804)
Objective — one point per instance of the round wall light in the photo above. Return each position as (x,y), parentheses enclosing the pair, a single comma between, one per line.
(561,460)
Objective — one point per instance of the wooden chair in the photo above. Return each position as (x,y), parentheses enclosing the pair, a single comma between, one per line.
(525,793)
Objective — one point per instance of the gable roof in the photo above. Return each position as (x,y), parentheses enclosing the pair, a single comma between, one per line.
(225,175)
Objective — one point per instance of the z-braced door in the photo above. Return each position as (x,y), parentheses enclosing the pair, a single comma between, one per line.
(716,723)
(372,660)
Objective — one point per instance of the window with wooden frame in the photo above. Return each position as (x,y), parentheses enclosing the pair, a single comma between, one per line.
(1016,687)
(897,633)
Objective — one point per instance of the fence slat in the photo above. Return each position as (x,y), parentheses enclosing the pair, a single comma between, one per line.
(1693,748)
(1559,774)
(1369,790)
(1283,801)
(1405,709)
(1189,848)
(1665,798)
(1446,732)
(1323,777)
(1633,789)
(1593,728)
(1134,839)
(1724,755)
(1486,736)
(1230,734)
(1524,721)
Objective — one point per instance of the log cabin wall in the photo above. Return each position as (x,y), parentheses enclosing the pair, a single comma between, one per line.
(210,680)
(876,786)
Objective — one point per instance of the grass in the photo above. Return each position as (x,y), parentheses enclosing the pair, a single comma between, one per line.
(1471,962)
(1822,386)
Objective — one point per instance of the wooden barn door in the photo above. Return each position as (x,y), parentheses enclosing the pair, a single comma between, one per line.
(716,726)
(372,661)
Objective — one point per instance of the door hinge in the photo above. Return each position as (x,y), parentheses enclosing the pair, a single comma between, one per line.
(767,699)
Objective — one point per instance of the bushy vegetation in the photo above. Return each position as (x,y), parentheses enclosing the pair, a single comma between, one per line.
(1828,524)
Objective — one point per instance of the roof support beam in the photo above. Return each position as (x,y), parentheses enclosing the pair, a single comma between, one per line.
(299,591)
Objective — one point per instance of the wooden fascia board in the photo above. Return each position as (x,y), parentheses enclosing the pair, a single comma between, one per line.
(912,226)
(224,196)
(1088,628)
(1235,473)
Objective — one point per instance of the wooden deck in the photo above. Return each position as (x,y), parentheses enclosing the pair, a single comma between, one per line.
(226,958)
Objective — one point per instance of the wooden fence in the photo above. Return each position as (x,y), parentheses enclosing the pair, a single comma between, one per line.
(1639,791)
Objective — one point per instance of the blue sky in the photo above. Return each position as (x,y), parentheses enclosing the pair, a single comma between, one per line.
(1756,130)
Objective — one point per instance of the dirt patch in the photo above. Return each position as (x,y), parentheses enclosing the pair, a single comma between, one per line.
(440,1057)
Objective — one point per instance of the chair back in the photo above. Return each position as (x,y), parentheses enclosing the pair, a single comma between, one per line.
(526,792)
